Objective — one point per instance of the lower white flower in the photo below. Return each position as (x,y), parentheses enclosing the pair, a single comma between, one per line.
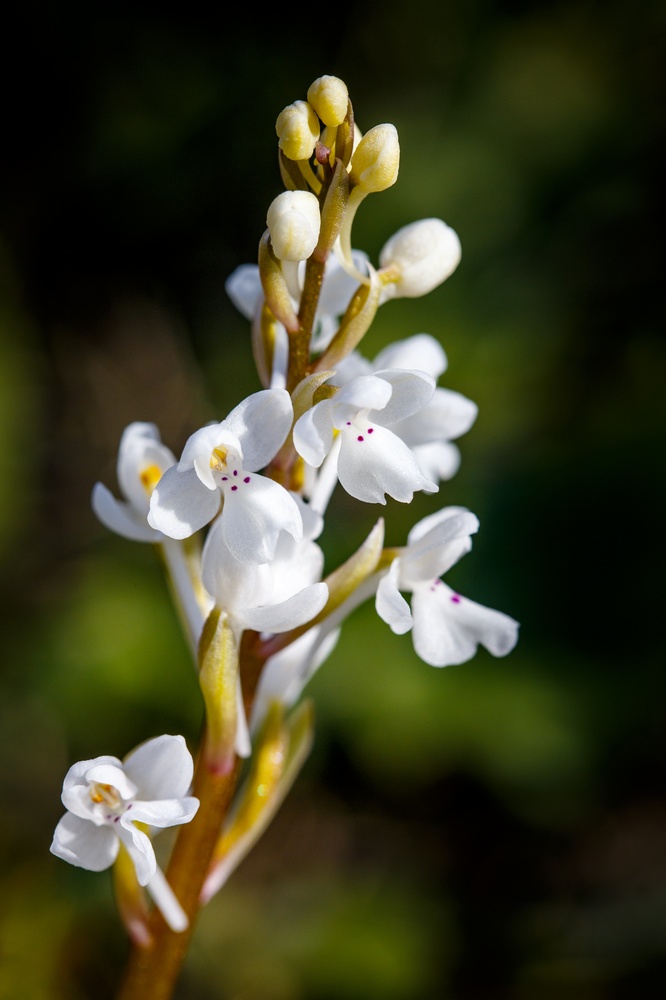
(446,627)
(106,798)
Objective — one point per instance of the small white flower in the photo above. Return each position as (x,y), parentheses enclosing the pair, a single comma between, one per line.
(218,465)
(142,460)
(373,461)
(446,627)
(105,799)
(430,431)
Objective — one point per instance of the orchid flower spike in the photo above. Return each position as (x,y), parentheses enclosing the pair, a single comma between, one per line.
(106,798)
(218,466)
(446,627)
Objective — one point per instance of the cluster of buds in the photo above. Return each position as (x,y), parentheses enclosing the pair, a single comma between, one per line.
(238,516)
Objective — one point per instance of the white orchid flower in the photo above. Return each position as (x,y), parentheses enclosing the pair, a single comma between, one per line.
(106,798)
(372,461)
(446,627)
(142,461)
(268,597)
(218,467)
(447,416)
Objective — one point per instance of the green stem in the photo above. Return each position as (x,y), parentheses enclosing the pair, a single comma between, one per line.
(152,971)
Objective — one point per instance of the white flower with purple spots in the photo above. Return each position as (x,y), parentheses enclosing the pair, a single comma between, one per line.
(446,627)
(353,429)
(106,798)
(217,474)
(447,416)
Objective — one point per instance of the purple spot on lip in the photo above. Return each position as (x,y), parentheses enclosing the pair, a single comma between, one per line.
(360,437)
(235,472)
(455,598)
(349,423)
(224,478)
(234,487)
(247,479)
(370,430)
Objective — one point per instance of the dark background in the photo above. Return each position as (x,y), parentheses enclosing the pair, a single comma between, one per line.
(495,830)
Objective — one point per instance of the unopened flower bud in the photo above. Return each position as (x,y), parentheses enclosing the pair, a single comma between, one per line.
(297,128)
(376,159)
(293,221)
(419,257)
(329,97)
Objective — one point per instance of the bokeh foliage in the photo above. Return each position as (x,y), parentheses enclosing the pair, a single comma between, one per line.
(496,830)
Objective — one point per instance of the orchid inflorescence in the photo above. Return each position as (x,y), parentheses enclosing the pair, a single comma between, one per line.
(237,517)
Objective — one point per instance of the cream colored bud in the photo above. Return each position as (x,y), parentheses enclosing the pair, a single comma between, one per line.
(293,222)
(297,128)
(422,255)
(329,97)
(376,159)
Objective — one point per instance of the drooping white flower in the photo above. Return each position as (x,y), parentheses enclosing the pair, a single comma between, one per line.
(105,798)
(446,627)
(372,461)
(142,461)
(218,466)
(268,597)
(430,431)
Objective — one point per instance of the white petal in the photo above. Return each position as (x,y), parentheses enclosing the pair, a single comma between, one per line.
(253,519)
(440,548)
(449,628)
(120,517)
(140,448)
(439,460)
(243,286)
(109,774)
(80,843)
(313,433)
(75,791)
(421,352)
(390,605)
(180,504)
(448,415)
(371,466)
(366,392)
(139,848)
(431,523)
(161,768)
(411,392)
(162,812)
(261,423)
(295,611)
(166,902)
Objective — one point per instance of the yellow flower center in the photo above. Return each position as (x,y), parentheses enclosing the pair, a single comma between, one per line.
(150,476)
(105,793)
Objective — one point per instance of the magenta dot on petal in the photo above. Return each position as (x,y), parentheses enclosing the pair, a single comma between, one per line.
(370,430)
(234,487)
(360,437)
(235,472)
(349,423)
(247,479)
(224,478)
(455,598)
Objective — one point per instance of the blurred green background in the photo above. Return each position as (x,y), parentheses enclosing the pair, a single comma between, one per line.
(495,830)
